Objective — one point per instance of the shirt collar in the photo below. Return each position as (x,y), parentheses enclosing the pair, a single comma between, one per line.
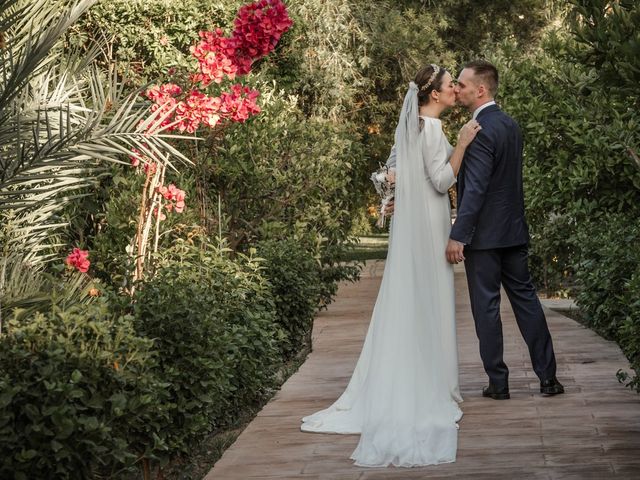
(482,107)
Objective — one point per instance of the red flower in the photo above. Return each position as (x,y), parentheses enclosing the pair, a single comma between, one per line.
(162,215)
(240,103)
(215,54)
(78,259)
(174,197)
(258,28)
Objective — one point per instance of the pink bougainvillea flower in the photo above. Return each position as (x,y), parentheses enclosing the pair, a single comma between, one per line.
(180,206)
(162,215)
(78,259)
(138,157)
(240,103)
(174,197)
(150,167)
(216,58)
(258,28)
(162,93)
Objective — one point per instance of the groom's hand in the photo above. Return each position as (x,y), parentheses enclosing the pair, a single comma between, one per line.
(455,251)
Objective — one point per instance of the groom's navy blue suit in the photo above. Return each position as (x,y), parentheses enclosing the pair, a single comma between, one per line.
(491,224)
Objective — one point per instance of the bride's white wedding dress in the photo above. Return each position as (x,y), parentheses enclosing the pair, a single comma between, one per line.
(403,395)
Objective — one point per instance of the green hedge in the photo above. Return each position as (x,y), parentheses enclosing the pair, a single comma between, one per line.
(78,395)
(214,327)
(295,283)
(88,391)
(608,275)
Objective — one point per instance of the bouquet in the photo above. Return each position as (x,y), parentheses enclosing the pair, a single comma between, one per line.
(384,179)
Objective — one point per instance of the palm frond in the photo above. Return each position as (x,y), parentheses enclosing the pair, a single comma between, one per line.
(61,119)
(31,38)
(25,288)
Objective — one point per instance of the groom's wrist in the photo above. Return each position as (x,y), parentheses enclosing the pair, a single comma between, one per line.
(456,240)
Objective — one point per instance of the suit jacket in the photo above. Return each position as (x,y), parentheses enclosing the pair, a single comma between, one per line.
(490,193)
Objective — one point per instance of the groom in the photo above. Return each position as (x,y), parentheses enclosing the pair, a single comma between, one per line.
(491,235)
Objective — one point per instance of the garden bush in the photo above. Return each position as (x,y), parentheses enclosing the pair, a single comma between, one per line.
(297,183)
(150,37)
(576,160)
(213,323)
(78,397)
(295,284)
(107,222)
(608,278)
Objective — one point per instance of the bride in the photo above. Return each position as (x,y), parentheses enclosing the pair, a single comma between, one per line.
(403,395)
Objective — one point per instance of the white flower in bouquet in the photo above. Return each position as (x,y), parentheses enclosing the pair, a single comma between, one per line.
(384,181)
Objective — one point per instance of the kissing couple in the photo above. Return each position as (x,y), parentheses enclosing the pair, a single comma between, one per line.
(403,397)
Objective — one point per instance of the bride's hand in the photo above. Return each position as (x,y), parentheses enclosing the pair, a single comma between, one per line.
(468,132)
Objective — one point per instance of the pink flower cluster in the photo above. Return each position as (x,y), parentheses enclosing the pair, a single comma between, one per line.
(197,108)
(78,259)
(174,197)
(175,200)
(257,29)
(201,109)
(216,55)
(240,103)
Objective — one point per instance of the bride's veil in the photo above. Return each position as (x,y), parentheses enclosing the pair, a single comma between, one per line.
(409,306)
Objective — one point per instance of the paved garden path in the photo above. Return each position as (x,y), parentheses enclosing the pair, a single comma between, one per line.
(591,432)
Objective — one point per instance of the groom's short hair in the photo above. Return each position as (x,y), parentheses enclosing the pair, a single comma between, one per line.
(487,72)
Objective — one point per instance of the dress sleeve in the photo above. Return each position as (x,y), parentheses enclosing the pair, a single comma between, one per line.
(436,158)
(391,161)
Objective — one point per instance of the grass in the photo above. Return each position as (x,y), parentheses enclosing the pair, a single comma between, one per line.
(370,247)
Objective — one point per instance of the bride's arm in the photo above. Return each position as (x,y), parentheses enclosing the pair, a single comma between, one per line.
(435,156)
(465,137)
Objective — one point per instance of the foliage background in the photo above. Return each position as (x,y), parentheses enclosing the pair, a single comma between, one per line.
(274,204)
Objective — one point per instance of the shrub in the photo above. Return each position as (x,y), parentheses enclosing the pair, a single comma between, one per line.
(77,396)
(295,283)
(150,37)
(110,226)
(576,147)
(297,183)
(608,278)
(214,326)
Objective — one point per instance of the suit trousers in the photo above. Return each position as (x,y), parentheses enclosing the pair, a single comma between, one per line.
(486,271)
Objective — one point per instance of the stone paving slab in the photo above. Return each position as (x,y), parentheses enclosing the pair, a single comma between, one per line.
(590,432)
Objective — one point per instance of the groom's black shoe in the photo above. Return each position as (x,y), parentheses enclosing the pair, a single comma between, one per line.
(497,393)
(551,387)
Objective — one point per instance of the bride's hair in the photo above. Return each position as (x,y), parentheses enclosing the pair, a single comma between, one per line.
(426,84)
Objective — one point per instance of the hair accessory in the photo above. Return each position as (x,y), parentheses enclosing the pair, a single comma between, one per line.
(433,76)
